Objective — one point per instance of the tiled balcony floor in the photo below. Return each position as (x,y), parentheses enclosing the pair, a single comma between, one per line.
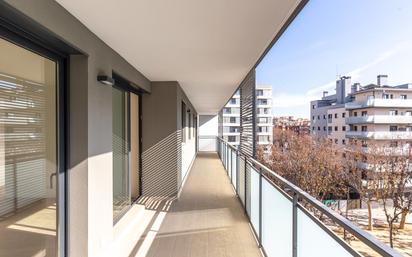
(207,219)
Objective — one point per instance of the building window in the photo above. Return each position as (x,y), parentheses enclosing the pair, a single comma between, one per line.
(259,92)
(355,114)
(226,110)
(408,113)
(364,128)
(313,128)
(313,106)
(364,113)
(393,112)
(233,101)
(404,97)
(330,128)
(318,117)
(336,140)
(233,138)
(343,142)
(393,128)
(393,144)
(313,117)
(324,128)
(355,128)
(343,115)
(336,115)
(318,128)
(343,128)
(324,116)
(336,128)
(364,144)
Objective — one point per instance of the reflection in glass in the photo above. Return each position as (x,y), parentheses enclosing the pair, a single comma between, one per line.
(121,192)
(28,153)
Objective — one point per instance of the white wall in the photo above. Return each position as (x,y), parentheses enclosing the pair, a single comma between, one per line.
(208,131)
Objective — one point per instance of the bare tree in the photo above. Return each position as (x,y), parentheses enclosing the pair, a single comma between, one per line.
(359,163)
(395,178)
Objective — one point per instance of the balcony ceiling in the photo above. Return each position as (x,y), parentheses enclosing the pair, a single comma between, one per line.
(207,46)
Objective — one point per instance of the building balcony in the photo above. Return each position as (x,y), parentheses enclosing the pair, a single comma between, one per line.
(234,133)
(231,114)
(280,217)
(379,102)
(228,124)
(380,135)
(380,119)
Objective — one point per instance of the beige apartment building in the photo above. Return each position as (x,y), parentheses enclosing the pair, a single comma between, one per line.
(376,114)
(381,114)
(337,125)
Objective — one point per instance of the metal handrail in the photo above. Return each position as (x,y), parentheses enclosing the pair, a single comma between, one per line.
(362,235)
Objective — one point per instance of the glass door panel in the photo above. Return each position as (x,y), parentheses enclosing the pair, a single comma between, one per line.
(121,181)
(28,153)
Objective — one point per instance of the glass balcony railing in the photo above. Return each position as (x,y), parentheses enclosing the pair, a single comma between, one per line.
(282,215)
(380,119)
(379,102)
(381,135)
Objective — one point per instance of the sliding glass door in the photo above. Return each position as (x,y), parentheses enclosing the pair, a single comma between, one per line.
(121,147)
(126,150)
(28,153)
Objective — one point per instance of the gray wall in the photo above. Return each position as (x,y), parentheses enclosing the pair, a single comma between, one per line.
(90,161)
(162,141)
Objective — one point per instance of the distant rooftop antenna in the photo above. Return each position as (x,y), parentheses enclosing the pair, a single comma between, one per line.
(337,72)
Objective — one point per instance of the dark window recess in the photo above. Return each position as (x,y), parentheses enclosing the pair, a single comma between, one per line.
(183,111)
(393,128)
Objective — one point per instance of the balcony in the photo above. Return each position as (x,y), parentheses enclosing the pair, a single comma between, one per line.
(380,135)
(379,102)
(380,119)
(206,220)
(270,202)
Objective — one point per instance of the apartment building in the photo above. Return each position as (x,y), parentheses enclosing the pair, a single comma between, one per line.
(264,116)
(376,113)
(381,114)
(231,117)
(231,120)
(328,113)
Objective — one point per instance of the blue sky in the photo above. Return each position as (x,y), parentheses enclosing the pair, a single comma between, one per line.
(359,38)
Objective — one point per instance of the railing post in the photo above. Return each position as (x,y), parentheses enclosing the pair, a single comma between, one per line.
(260,207)
(295,226)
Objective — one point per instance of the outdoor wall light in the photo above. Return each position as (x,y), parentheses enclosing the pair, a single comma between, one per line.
(105,80)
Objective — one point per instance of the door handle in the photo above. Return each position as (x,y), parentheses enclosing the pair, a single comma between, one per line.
(51,179)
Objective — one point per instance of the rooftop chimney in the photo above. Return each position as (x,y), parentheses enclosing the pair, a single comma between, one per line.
(355,87)
(343,87)
(325,93)
(382,80)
